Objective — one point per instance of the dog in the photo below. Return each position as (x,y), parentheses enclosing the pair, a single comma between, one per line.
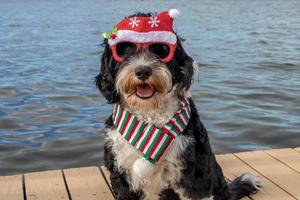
(146,73)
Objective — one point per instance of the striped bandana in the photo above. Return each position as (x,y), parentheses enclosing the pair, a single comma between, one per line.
(150,140)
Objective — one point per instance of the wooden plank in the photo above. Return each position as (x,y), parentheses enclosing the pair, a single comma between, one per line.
(274,170)
(106,174)
(48,185)
(87,183)
(297,149)
(11,187)
(289,157)
(234,167)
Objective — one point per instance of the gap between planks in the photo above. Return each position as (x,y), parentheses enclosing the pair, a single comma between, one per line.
(106,176)
(289,157)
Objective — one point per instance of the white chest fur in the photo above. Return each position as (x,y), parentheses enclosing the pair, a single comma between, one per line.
(166,170)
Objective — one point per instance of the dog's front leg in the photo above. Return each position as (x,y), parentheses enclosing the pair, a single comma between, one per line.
(221,190)
(120,186)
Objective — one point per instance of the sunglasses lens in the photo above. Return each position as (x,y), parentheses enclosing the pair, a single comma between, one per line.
(125,48)
(161,50)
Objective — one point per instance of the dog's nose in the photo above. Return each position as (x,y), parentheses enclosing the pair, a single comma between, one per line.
(143,72)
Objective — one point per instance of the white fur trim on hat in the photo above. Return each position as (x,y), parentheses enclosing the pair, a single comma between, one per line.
(174,13)
(153,36)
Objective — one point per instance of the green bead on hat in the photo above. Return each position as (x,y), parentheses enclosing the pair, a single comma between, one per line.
(112,34)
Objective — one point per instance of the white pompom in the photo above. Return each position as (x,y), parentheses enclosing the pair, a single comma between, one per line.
(143,168)
(173,13)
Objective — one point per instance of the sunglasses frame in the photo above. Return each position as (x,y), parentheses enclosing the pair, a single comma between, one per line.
(145,46)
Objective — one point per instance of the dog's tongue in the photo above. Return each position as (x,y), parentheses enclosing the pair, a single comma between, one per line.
(144,91)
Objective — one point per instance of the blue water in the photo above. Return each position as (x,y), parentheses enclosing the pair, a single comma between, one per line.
(52,116)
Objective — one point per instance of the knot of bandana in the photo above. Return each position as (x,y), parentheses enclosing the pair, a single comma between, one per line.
(151,141)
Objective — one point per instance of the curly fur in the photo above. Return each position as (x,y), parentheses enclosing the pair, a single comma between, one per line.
(188,170)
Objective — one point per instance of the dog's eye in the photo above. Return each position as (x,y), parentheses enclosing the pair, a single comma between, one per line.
(161,50)
(124,48)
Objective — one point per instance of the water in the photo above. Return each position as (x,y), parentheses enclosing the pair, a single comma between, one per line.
(52,116)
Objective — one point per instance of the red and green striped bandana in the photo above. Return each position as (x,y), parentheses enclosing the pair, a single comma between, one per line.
(150,140)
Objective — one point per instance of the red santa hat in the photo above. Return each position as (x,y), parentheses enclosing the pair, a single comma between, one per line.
(154,29)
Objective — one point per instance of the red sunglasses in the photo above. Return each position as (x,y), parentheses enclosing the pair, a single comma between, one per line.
(163,50)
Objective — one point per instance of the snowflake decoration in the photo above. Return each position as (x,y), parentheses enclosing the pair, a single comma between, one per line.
(154,22)
(134,22)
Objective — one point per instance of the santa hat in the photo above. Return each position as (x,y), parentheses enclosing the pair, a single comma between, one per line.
(154,29)
(157,28)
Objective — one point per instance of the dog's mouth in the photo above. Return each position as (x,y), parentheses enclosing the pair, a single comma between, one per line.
(145,91)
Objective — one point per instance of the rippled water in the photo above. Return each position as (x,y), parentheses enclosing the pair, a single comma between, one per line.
(52,116)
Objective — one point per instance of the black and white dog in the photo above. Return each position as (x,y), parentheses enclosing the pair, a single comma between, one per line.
(144,84)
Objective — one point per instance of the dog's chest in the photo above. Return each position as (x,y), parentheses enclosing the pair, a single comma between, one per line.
(166,172)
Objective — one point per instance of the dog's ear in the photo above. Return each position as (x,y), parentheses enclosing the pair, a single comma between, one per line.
(183,67)
(105,80)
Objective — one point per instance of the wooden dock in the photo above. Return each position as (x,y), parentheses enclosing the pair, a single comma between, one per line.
(279,170)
